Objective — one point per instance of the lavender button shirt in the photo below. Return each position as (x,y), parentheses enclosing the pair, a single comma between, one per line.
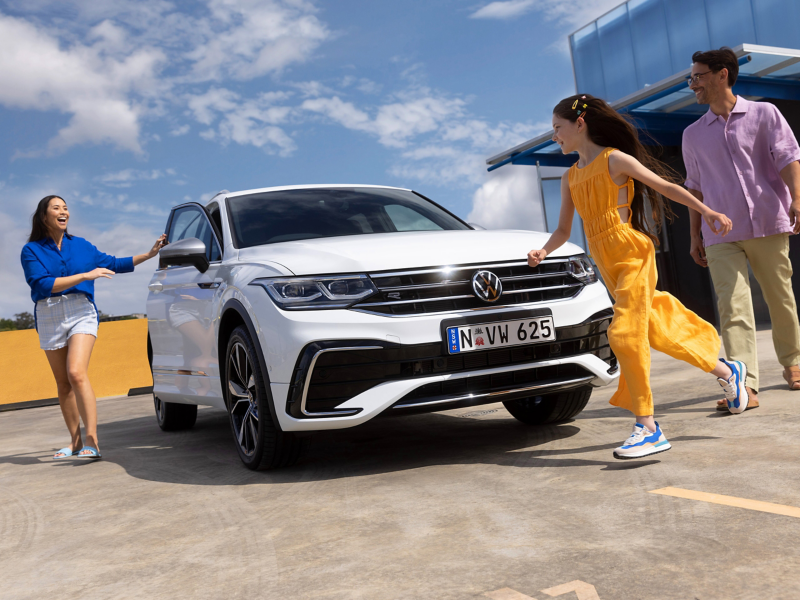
(736,166)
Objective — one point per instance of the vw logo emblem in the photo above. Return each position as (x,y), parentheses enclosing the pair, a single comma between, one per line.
(487,286)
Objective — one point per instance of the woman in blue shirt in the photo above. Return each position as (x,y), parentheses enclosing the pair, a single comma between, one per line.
(61,269)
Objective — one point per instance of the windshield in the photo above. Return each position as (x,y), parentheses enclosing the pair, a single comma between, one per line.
(291,215)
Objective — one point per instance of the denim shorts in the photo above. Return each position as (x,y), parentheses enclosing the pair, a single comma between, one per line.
(60,317)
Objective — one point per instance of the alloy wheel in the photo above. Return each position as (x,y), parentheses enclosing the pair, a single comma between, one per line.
(243,398)
(159,409)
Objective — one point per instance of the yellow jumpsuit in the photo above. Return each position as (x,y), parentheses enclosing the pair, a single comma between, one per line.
(643,316)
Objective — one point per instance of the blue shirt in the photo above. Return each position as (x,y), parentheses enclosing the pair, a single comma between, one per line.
(42,262)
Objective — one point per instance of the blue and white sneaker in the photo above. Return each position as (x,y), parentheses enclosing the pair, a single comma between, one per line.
(643,442)
(735,391)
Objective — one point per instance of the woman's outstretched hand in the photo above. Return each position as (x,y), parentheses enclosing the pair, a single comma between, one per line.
(98,273)
(160,243)
(535,257)
(725,224)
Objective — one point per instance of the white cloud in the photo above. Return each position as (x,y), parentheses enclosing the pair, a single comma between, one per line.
(368,86)
(312,89)
(441,165)
(119,204)
(252,38)
(362,84)
(101,62)
(182,130)
(487,137)
(394,124)
(507,9)
(85,82)
(244,121)
(126,177)
(456,154)
(509,199)
(205,106)
(573,13)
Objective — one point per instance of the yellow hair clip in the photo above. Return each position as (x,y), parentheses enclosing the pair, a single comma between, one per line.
(575,104)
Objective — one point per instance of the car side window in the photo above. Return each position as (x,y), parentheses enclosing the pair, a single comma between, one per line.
(191,222)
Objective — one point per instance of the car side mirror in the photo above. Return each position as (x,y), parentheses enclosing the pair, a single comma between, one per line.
(190,251)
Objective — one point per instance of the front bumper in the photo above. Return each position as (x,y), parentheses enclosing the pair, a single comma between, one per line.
(385,396)
(392,378)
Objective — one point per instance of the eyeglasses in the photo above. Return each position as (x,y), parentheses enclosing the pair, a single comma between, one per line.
(690,79)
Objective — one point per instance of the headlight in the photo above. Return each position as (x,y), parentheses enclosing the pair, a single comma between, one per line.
(317,293)
(582,269)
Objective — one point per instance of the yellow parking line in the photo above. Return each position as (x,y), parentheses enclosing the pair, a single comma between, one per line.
(768,507)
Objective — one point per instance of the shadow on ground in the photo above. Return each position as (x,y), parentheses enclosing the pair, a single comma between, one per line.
(206,454)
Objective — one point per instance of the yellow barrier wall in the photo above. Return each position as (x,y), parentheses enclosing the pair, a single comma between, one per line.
(119,363)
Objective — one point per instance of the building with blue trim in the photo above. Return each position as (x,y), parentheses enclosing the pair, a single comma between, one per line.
(637,57)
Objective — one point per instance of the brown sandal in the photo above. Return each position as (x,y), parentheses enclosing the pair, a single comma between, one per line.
(792,377)
(752,402)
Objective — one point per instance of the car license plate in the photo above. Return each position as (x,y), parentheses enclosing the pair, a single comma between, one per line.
(486,336)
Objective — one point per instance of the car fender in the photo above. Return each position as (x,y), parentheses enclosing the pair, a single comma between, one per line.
(235,304)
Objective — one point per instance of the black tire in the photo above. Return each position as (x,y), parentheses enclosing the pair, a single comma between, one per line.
(260,444)
(172,416)
(550,408)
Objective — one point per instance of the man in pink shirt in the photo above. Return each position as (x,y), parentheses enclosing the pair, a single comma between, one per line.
(742,160)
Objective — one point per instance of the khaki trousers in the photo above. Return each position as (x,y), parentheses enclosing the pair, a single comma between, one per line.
(769,259)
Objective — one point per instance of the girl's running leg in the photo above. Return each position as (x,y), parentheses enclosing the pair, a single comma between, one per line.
(633,280)
(680,333)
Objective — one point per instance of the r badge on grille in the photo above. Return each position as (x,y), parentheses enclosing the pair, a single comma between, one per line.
(487,286)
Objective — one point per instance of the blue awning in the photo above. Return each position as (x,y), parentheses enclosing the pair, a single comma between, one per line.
(663,110)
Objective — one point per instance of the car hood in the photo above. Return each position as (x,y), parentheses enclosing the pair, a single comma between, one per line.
(397,251)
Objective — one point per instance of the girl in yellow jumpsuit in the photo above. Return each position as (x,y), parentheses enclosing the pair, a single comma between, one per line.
(609,187)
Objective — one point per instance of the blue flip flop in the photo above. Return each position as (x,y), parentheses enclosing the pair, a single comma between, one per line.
(93,453)
(66,452)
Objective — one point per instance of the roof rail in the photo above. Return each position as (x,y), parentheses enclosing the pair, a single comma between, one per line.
(219,193)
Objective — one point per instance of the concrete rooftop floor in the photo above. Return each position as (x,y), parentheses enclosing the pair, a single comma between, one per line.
(452,505)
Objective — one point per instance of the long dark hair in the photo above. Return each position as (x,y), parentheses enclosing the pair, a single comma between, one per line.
(39,229)
(607,128)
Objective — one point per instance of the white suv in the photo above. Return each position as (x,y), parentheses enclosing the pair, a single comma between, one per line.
(324,306)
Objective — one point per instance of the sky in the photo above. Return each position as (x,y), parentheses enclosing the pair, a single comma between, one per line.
(126,108)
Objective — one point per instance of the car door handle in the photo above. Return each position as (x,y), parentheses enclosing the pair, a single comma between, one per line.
(155,287)
(210,285)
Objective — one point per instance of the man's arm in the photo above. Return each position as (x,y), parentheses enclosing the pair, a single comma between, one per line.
(791,177)
(692,183)
(697,250)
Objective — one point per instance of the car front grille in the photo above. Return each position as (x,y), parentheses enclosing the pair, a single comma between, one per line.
(329,373)
(445,289)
